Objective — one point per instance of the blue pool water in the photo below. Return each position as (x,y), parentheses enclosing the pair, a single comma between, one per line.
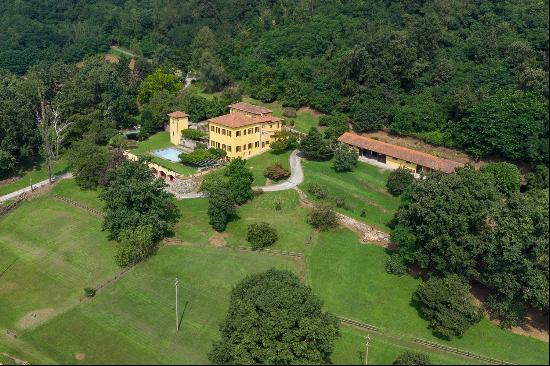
(170,153)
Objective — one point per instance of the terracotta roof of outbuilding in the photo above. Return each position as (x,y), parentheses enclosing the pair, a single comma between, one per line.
(235,120)
(414,156)
(178,114)
(250,108)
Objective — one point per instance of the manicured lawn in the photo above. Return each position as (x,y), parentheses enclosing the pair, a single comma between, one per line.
(50,251)
(351,279)
(363,190)
(158,141)
(133,320)
(350,350)
(68,188)
(259,163)
(38,174)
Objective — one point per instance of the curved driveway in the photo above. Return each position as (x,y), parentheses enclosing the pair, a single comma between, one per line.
(296,175)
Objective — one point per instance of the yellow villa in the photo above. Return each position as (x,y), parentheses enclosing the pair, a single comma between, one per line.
(246,131)
(178,121)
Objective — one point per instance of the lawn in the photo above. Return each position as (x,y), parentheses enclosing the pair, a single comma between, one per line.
(49,251)
(35,175)
(68,188)
(363,190)
(303,121)
(350,350)
(259,163)
(351,280)
(132,321)
(158,141)
(193,227)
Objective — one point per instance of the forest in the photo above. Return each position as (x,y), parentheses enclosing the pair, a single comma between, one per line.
(468,74)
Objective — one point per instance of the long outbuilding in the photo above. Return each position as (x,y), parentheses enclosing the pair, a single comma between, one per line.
(397,156)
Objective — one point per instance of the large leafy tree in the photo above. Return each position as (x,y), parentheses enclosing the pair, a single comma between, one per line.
(447,304)
(314,147)
(135,198)
(159,80)
(240,180)
(274,319)
(88,162)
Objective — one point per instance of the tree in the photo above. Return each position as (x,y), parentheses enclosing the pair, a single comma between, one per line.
(418,113)
(399,180)
(538,178)
(314,147)
(221,203)
(284,141)
(261,235)
(159,80)
(87,162)
(506,176)
(511,124)
(322,217)
(135,245)
(116,159)
(446,303)
(345,158)
(135,198)
(412,358)
(278,309)
(240,180)
(7,164)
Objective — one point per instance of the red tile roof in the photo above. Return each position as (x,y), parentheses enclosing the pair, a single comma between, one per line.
(178,114)
(250,108)
(235,120)
(414,156)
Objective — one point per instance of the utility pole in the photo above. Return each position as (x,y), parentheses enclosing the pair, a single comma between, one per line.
(177,314)
(367,340)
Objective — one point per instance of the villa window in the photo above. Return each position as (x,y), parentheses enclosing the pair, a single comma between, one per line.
(267,142)
(244,147)
(257,129)
(229,148)
(228,133)
(270,125)
(238,133)
(250,130)
(223,131)
(257,144)
(244,131)
(250,145)
(212,128)
(238,149)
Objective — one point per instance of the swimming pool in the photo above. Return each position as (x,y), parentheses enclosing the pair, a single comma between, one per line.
(169,153)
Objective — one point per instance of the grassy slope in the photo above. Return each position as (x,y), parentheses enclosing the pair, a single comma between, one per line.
(56,250)
(38,174)
(161,140)
(259,163)
(303,121)
(362,189)
(351,279)
(132,321)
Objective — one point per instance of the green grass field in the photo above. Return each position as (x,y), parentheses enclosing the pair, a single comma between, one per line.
(364,189)
(351,279)
(35,175)
(59,249)
(259,163)
(158,141)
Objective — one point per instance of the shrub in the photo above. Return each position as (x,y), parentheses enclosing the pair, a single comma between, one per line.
(122,142)
(317,190)
(289,112)
(135,245)
(201,156)
(221,203)
(7,164)
(445,302)
(322,217)
(506,176)
(538,178)
(395,265)
(276,172)
(412,358)
(278,205)
(345,159)
(398,181)
(193,134)
(89,292)
(284,141)
(261,235)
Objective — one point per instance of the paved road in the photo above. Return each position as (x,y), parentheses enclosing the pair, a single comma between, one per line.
(296,175)
(15,194)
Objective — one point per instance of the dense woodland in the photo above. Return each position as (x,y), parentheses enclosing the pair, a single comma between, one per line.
(467,74)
